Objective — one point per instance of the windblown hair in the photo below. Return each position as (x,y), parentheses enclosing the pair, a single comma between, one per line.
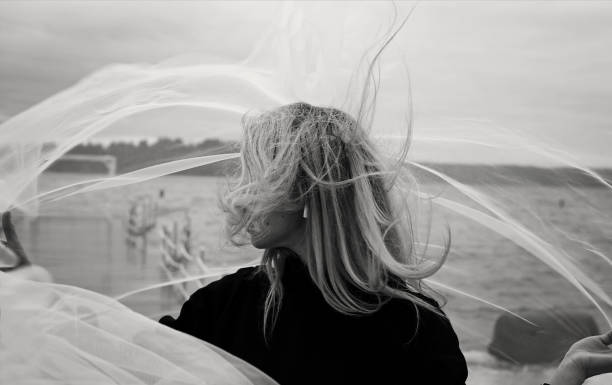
(361,241)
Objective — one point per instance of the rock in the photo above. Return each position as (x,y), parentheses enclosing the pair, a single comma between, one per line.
(519,342)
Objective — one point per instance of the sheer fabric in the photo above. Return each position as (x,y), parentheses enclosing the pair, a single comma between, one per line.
(523,238)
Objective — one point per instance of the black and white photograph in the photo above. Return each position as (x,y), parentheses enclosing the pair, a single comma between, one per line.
(305,192)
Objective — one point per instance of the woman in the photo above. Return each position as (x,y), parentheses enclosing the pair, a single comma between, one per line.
(338,296)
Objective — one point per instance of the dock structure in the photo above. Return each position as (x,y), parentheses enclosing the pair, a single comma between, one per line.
(142,220)
(89,251)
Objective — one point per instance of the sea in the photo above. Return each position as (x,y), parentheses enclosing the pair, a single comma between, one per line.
(83,240)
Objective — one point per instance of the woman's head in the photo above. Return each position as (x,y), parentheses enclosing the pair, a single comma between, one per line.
(358,235)
(284,153)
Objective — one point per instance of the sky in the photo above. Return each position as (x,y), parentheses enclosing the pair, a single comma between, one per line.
(539,69)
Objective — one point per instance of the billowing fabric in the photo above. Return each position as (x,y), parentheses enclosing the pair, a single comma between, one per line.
(523,239)
(57,334)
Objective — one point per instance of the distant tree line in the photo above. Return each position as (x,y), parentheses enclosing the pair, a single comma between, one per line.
(133,156)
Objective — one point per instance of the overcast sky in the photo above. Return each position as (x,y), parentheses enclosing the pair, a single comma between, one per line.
(544,68)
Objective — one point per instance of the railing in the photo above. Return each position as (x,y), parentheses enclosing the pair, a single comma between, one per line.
(175,247)
(142,219)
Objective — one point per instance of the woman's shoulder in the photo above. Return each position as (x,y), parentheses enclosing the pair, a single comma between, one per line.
(404,315)
(202,311)
(244,279)
(425,332)
(413,303)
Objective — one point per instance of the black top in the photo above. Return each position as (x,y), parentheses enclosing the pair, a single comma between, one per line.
(314,344)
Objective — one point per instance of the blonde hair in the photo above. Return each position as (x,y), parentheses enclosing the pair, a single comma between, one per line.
(359,231)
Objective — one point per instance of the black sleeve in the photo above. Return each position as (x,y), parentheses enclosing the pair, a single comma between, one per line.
(197,314)
(437,349)
(445,359)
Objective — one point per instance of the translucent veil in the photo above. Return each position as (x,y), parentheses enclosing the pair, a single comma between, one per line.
(530,220)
